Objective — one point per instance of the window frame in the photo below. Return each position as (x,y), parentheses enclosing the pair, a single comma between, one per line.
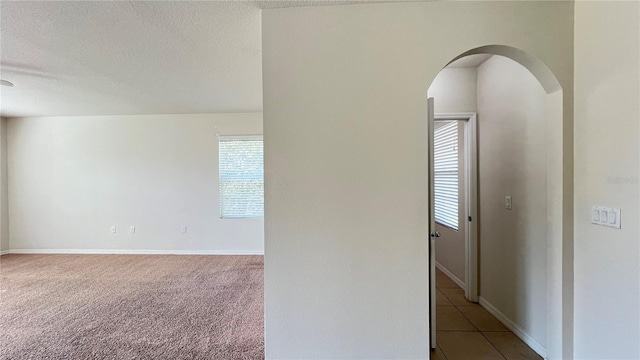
(222,138)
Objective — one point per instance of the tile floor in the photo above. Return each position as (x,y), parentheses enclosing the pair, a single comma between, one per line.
(466,331)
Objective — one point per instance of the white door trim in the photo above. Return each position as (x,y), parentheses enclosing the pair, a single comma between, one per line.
(471,199)
(432,223)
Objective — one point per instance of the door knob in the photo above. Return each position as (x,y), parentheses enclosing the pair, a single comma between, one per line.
(435,234)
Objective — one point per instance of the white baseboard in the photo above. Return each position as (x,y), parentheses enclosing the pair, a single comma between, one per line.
(134,252)
(517,330)
(451,276)
(4,252)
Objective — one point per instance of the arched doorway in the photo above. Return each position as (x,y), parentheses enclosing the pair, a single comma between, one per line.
(553,254)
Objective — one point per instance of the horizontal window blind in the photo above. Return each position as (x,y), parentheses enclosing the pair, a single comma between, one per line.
(241,177)
(446,174)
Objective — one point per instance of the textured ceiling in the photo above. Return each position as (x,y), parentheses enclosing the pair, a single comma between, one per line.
(141,57)
(97,58)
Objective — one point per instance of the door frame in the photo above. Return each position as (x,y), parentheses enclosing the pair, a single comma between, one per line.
(432,223)
(471,197)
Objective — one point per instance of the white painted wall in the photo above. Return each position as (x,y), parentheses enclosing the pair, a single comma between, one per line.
(71,178)
(346,169)
(513,161)
(4,198)
(607,133)
(454,91)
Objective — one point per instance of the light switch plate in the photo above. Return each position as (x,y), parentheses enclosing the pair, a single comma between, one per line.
(604,216)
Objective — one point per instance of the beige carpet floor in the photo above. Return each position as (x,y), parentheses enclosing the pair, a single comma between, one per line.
(131,307)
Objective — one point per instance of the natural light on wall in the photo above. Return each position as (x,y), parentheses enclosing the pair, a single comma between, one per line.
(241,176)
(446,174)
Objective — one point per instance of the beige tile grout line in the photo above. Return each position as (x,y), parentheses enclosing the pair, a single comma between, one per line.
(482,332)
(438,345)
(489,341)
(442,351)
(472,324)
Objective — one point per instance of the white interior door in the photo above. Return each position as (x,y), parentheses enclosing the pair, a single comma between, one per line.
(432,226)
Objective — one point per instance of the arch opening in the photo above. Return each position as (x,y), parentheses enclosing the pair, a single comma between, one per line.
(535,135)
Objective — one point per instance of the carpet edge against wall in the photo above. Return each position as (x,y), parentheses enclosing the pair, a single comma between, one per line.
(132,252)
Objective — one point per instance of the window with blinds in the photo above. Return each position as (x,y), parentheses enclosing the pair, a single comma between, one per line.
(241,176)
(446,174)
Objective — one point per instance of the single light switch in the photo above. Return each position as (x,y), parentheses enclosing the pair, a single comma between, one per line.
(603,216)
(508,204)
(612,217)
(596,216)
